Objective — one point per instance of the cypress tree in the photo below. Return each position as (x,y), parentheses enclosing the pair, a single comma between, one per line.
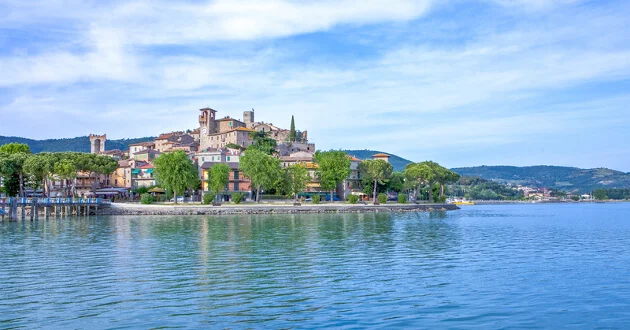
(292,134)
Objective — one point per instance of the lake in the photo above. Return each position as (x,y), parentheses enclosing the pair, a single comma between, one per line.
(495,266)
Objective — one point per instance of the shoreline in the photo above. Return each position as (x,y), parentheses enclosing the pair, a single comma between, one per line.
(140,209)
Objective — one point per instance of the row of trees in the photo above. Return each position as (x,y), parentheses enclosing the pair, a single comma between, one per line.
(20,168)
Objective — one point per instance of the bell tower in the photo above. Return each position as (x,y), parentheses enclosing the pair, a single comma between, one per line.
(97,143)
(207,126)
(248,118)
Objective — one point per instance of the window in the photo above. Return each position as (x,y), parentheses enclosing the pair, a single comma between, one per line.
(203,159)
(235,175)
(235,186)
(228,158)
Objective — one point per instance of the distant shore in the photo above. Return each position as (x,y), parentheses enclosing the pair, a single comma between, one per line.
(229,209)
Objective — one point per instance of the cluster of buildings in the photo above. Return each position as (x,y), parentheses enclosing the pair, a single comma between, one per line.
(217,141)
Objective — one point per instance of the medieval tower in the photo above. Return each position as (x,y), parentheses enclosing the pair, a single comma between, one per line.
(97,143)
(248,118)
(207,126)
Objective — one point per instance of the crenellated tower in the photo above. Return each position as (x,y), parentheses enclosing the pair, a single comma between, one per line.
(97,143)
(207,126)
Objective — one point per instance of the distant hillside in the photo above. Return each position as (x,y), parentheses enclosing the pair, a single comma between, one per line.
(565,178)
(398,162)
(77,144)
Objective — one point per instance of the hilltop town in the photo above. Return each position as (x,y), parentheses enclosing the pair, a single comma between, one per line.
(217,140)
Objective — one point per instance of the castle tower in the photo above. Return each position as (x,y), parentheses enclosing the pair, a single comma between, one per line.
(207,126)
(248,118)
(97,143)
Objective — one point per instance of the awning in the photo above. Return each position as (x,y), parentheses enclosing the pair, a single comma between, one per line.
(149,171)
(136,171)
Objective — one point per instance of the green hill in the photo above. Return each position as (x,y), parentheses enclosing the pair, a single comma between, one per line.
(398,162)
(77,144)
(557,177)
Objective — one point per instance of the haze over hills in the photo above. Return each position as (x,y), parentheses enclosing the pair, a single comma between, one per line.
(558,177)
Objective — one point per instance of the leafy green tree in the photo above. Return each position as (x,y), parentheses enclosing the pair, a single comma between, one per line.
(218,178)
(66,171)
(419,174)
(262,142)
(12,158)
(297,177)
(176,172)
(600,194)
(263,170)
(377,171)
(333,167)
(41,167)
(292,134)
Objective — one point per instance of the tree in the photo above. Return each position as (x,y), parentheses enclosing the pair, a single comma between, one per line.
(12,165)
(292,135)
(333,167)
(419,174)
(176,172)
(65,171)
(41,167)
(263,170)
(297,177)
(218,178)
(600,194)
(262,142)
(377,171)
(397,182)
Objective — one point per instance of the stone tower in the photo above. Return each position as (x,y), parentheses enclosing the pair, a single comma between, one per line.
(248,118)
(97,143)
(207,126)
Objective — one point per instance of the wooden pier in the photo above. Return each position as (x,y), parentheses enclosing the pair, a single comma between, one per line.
(32,208)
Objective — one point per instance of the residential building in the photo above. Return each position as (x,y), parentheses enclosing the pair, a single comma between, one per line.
(147,155)
(143,176)
(137,147)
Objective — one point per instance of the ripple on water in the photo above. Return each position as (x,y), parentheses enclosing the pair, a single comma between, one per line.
(486,266)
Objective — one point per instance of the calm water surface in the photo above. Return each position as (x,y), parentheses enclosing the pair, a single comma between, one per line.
(515,266)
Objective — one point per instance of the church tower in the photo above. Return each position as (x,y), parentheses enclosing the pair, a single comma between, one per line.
(97,143)
(207,126)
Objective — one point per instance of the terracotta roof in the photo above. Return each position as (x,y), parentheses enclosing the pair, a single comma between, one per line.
(381,155)
(147,151)
(228,118)
(112,152)
(244,129)
(146,166)
(207,108)
(123,163)
(354,159)
(143,144)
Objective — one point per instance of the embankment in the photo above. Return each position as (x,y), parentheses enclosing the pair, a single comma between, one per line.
(139,209)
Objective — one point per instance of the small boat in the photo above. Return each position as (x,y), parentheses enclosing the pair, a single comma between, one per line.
(464,203)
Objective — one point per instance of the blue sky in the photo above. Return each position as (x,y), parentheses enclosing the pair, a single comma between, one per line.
(487,82)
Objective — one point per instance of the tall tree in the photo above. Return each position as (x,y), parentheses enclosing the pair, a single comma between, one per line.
(176,172)
(263,170)
(16,154)
(218,178)
(419,174)
(41,166)
(377,171)
(297,177)
(65,170)
(292,134)
(333,167)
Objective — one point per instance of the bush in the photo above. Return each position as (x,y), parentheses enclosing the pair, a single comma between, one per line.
(575,198)
(353,199)
(382,198)
(237,198)
(316,199)
(147,199)
(402,198)
(441,200)
(208,198)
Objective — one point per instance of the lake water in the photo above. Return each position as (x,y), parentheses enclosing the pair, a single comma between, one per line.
(533,266)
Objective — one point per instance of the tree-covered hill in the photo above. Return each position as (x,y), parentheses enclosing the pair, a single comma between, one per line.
(77,144)
(569,179)
(398,162)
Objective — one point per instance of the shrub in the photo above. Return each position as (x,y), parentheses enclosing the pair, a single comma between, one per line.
(316,199)
(208,198)
(353,199)
(237,198)
(575,198)
(147,199)
(402,198)
(382,198)
(440,199)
